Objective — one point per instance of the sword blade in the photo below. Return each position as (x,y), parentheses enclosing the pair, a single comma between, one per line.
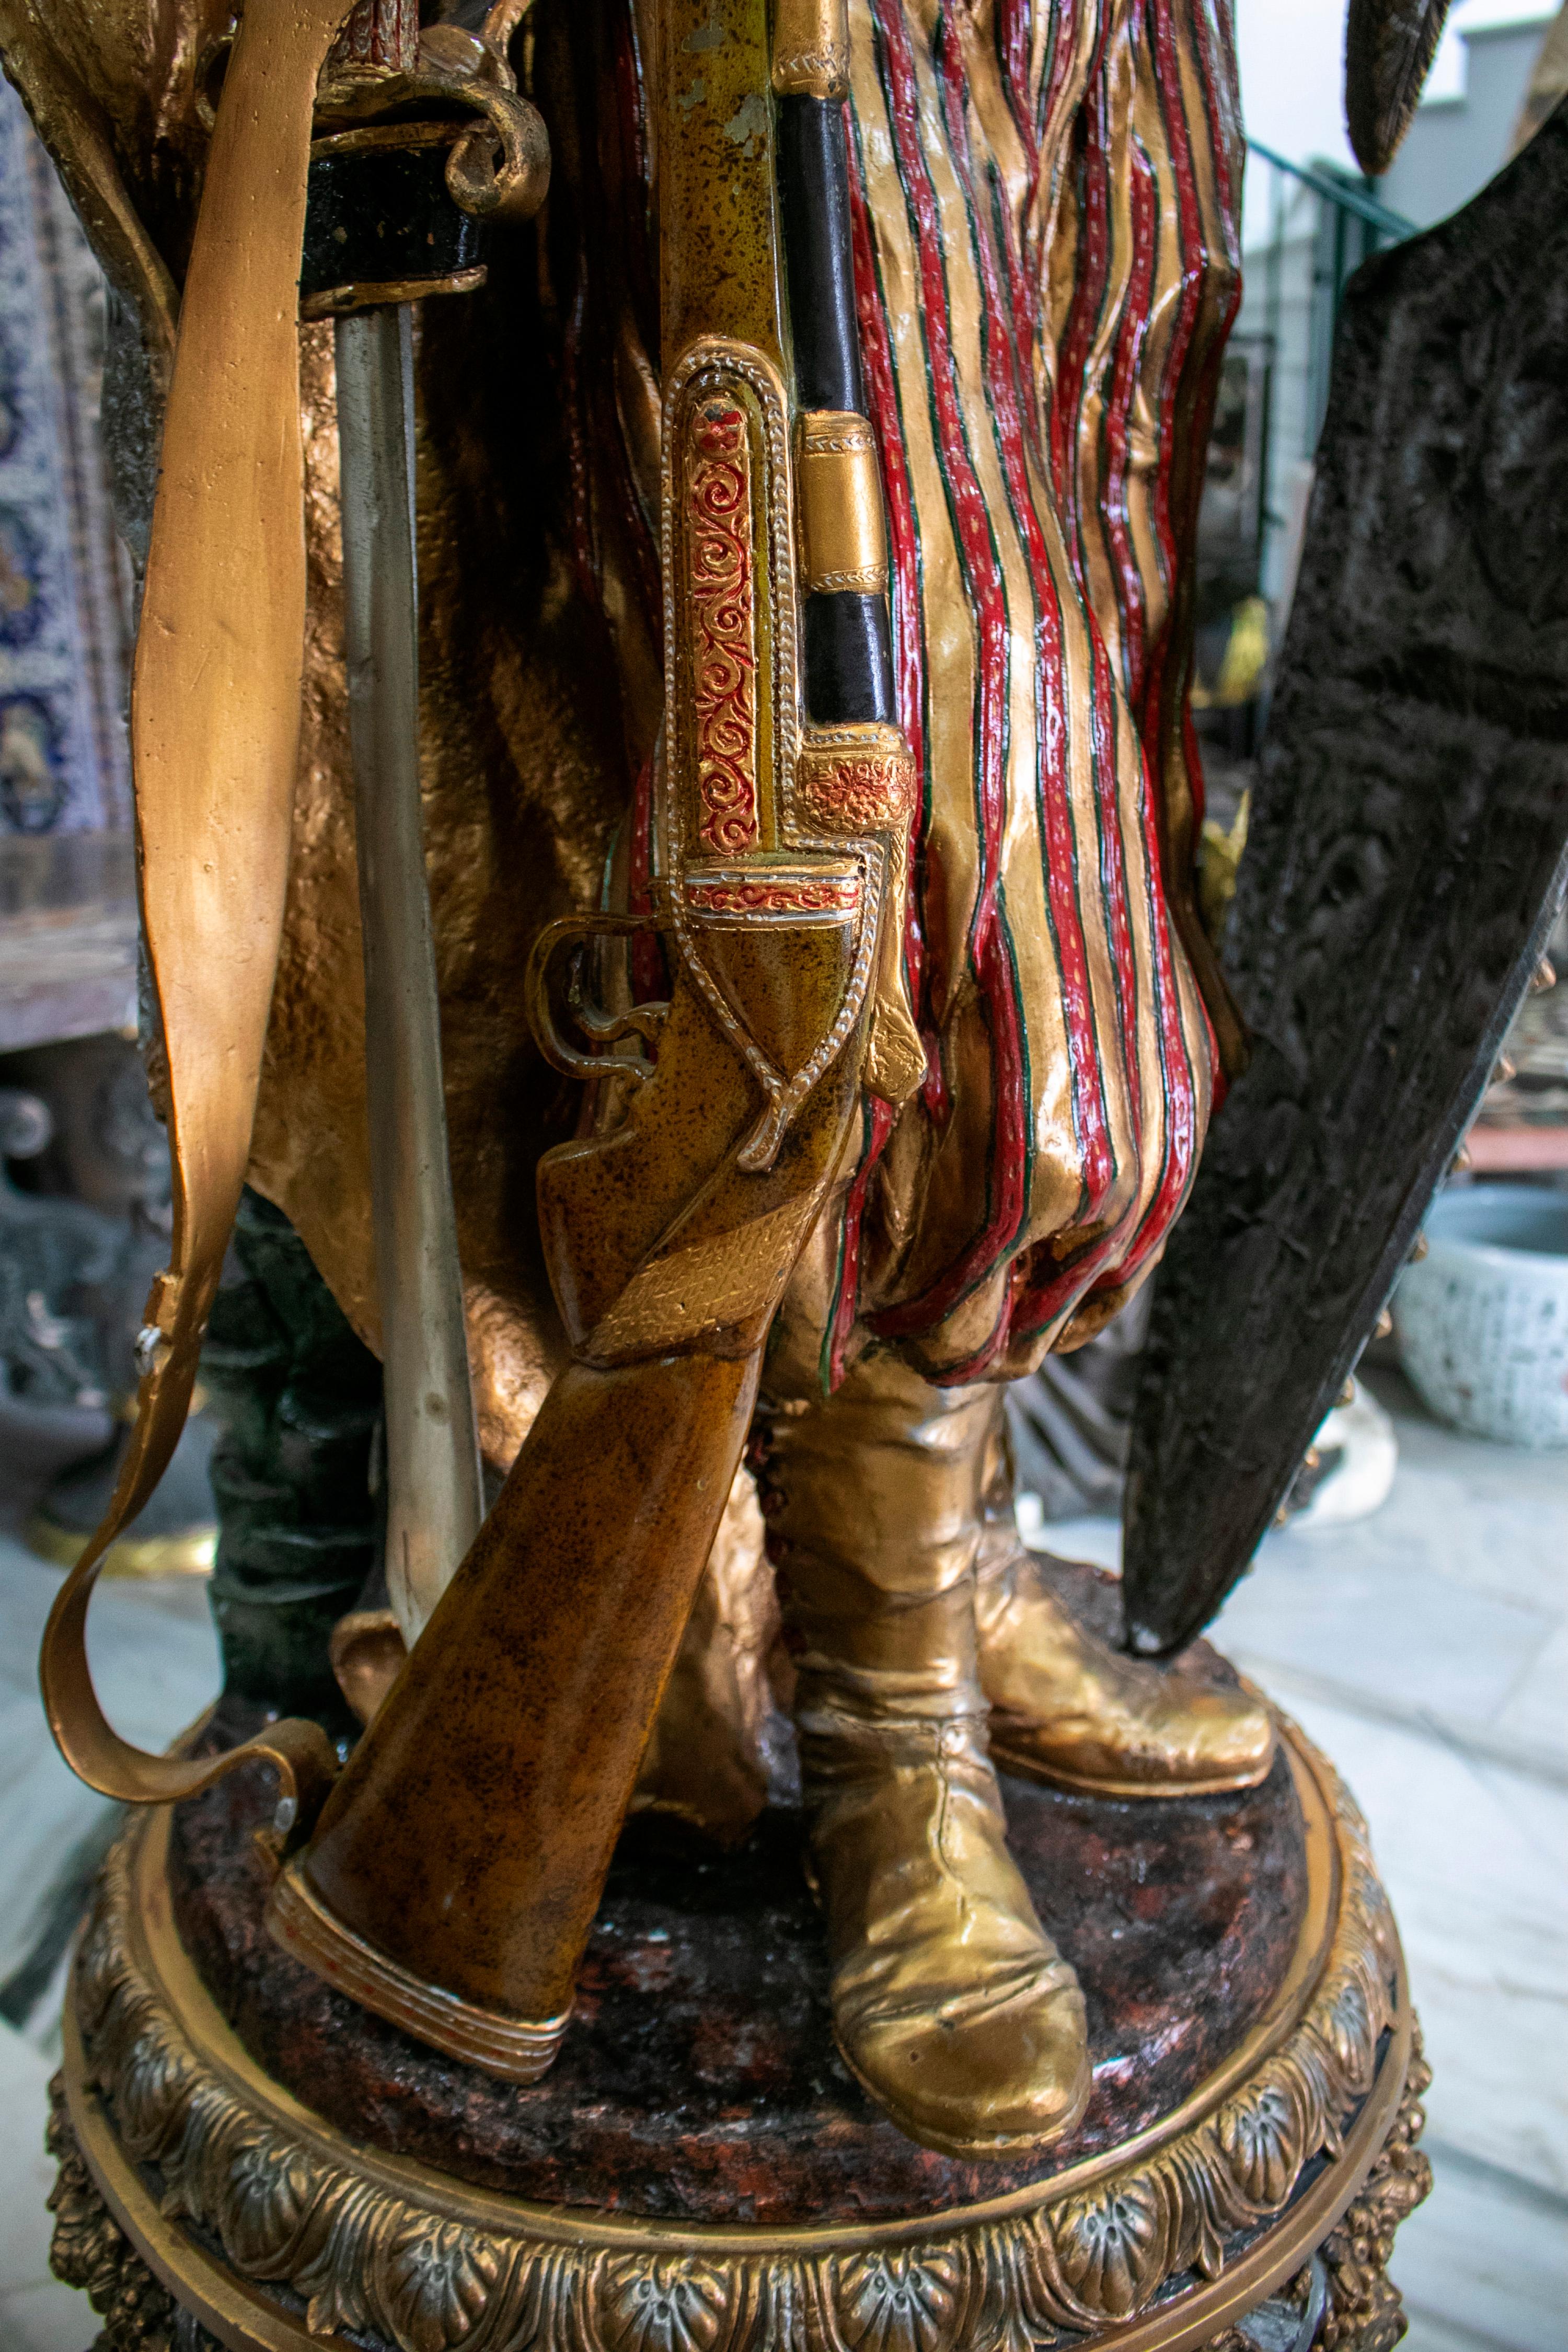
(434,1496)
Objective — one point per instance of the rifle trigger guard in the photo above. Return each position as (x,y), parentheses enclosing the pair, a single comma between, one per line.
(643,1020)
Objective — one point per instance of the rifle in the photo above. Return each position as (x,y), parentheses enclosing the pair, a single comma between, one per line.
(452,1878)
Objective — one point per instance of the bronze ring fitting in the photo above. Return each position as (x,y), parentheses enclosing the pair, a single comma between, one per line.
(517,2049)
(810,49)
(838,482)
(278,2231)
(373,294)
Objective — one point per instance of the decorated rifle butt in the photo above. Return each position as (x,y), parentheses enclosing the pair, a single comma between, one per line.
(454,1876)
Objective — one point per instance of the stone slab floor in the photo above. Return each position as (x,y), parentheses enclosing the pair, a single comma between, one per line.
(1426,1649)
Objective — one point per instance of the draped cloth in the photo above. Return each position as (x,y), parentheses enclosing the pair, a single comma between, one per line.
(1045,205)
(1046,201)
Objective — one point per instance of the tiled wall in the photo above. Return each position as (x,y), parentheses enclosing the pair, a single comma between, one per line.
(63,593)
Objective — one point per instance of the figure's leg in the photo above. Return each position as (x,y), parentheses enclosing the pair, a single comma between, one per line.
(950,2002)
(1066,1707)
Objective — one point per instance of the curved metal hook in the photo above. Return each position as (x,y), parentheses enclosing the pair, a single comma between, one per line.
(500,167)
(643,1020)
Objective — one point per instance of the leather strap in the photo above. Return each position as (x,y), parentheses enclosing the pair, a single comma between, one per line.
(214,723)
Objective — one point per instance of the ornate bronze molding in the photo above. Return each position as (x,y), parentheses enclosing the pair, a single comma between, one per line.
(858,778)
(1365,2312)
(1360,2311)
(91,2251)
(422,2261)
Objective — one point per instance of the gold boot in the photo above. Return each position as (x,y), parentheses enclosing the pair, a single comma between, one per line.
(1067,1709)
(950,2005)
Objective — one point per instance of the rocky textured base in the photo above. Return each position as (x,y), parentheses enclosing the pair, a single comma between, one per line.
(279,2213)
(699,2079)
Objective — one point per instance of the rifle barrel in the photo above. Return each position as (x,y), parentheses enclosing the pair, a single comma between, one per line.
(846,637)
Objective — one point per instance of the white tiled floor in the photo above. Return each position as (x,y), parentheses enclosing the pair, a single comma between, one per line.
(36,2313)
(1426,1649)
(155,1660)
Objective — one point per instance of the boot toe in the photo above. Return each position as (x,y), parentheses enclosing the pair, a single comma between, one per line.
(1195,1742)
(981,2076)
(1230,1734)
(1067,1708)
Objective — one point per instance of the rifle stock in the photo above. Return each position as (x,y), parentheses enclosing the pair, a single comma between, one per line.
(466,1843)
(466,1840)
(454,1874)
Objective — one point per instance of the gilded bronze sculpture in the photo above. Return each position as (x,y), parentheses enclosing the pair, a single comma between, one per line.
(800,530)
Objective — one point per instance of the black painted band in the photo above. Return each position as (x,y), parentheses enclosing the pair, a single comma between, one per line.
(813,204)
(847,644)
(382,216)
(848,659)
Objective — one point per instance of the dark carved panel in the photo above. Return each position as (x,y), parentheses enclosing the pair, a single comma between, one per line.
(1406,852)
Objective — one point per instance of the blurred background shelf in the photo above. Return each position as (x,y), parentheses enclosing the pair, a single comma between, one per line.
(1517,1150)
(67,937)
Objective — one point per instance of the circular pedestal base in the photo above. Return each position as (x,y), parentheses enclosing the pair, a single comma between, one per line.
(277,2216)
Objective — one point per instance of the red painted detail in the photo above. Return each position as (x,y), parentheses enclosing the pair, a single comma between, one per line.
(1014,28)
(1191,242)
(1088,293)
(720,591)
(846,1297)
(990,954)
(1182,1141)
(1008,402)
(1117,1254)
(908,620)
(774,898)
(1125,370)
(908,666)
(1090,290)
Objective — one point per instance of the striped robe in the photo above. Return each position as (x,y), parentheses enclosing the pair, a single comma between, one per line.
(1045,211)
(1045,203)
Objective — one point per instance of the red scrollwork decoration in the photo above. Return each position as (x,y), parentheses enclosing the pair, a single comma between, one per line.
(839,896)
(723,625)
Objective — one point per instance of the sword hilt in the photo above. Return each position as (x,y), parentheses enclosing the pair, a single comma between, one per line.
(379,38)
(422,140)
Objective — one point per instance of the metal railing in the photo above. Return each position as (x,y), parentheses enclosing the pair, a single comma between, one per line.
(1350,226)
(1392,227)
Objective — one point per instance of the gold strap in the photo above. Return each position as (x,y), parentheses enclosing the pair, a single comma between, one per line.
(215,724)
